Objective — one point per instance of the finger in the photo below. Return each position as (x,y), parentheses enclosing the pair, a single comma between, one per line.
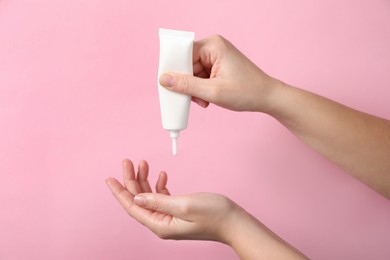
(197,45)
(189,85)
(197,68)
(129,180)
(202,74)
(122,195)
(161,184)
(142,176)
(205,53)
(200,102)
(175,206)
(126,200)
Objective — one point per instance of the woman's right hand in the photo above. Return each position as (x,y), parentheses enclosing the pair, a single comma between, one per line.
(223,76)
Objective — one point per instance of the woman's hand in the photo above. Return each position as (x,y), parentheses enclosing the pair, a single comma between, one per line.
(223,76)
(200,216)
(358,142)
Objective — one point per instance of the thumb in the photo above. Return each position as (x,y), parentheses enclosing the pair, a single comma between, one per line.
(190,85)
(162,203)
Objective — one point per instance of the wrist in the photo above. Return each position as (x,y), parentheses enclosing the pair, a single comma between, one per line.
(251,239)
(271,96)
(229,229)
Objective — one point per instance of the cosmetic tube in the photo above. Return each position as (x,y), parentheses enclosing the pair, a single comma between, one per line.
(175,56)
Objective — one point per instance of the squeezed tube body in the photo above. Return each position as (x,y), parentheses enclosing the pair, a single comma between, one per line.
(175,56)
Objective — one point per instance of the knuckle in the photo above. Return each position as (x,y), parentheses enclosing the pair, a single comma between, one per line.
(185,209)
(219,41)
(184,84)
(217,38)
(227,203)
(154,205)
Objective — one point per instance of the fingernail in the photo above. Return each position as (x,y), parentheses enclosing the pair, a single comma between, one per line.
(140,200)
(166,80)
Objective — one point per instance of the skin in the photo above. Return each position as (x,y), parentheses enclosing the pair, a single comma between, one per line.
(357,142)
(198,216)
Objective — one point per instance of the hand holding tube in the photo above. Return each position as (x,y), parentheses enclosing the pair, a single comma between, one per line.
(223,76)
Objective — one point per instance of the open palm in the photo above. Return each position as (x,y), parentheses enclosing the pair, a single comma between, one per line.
(200,216)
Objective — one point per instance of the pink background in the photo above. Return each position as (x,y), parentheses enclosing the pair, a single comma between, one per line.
(78,94)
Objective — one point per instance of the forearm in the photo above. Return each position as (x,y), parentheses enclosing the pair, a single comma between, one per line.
(250,239)
(357,142)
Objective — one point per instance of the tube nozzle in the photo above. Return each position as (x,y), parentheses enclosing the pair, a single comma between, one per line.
(174,146)
(174,135)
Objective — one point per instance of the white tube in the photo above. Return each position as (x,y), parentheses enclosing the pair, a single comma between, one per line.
(175,56)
